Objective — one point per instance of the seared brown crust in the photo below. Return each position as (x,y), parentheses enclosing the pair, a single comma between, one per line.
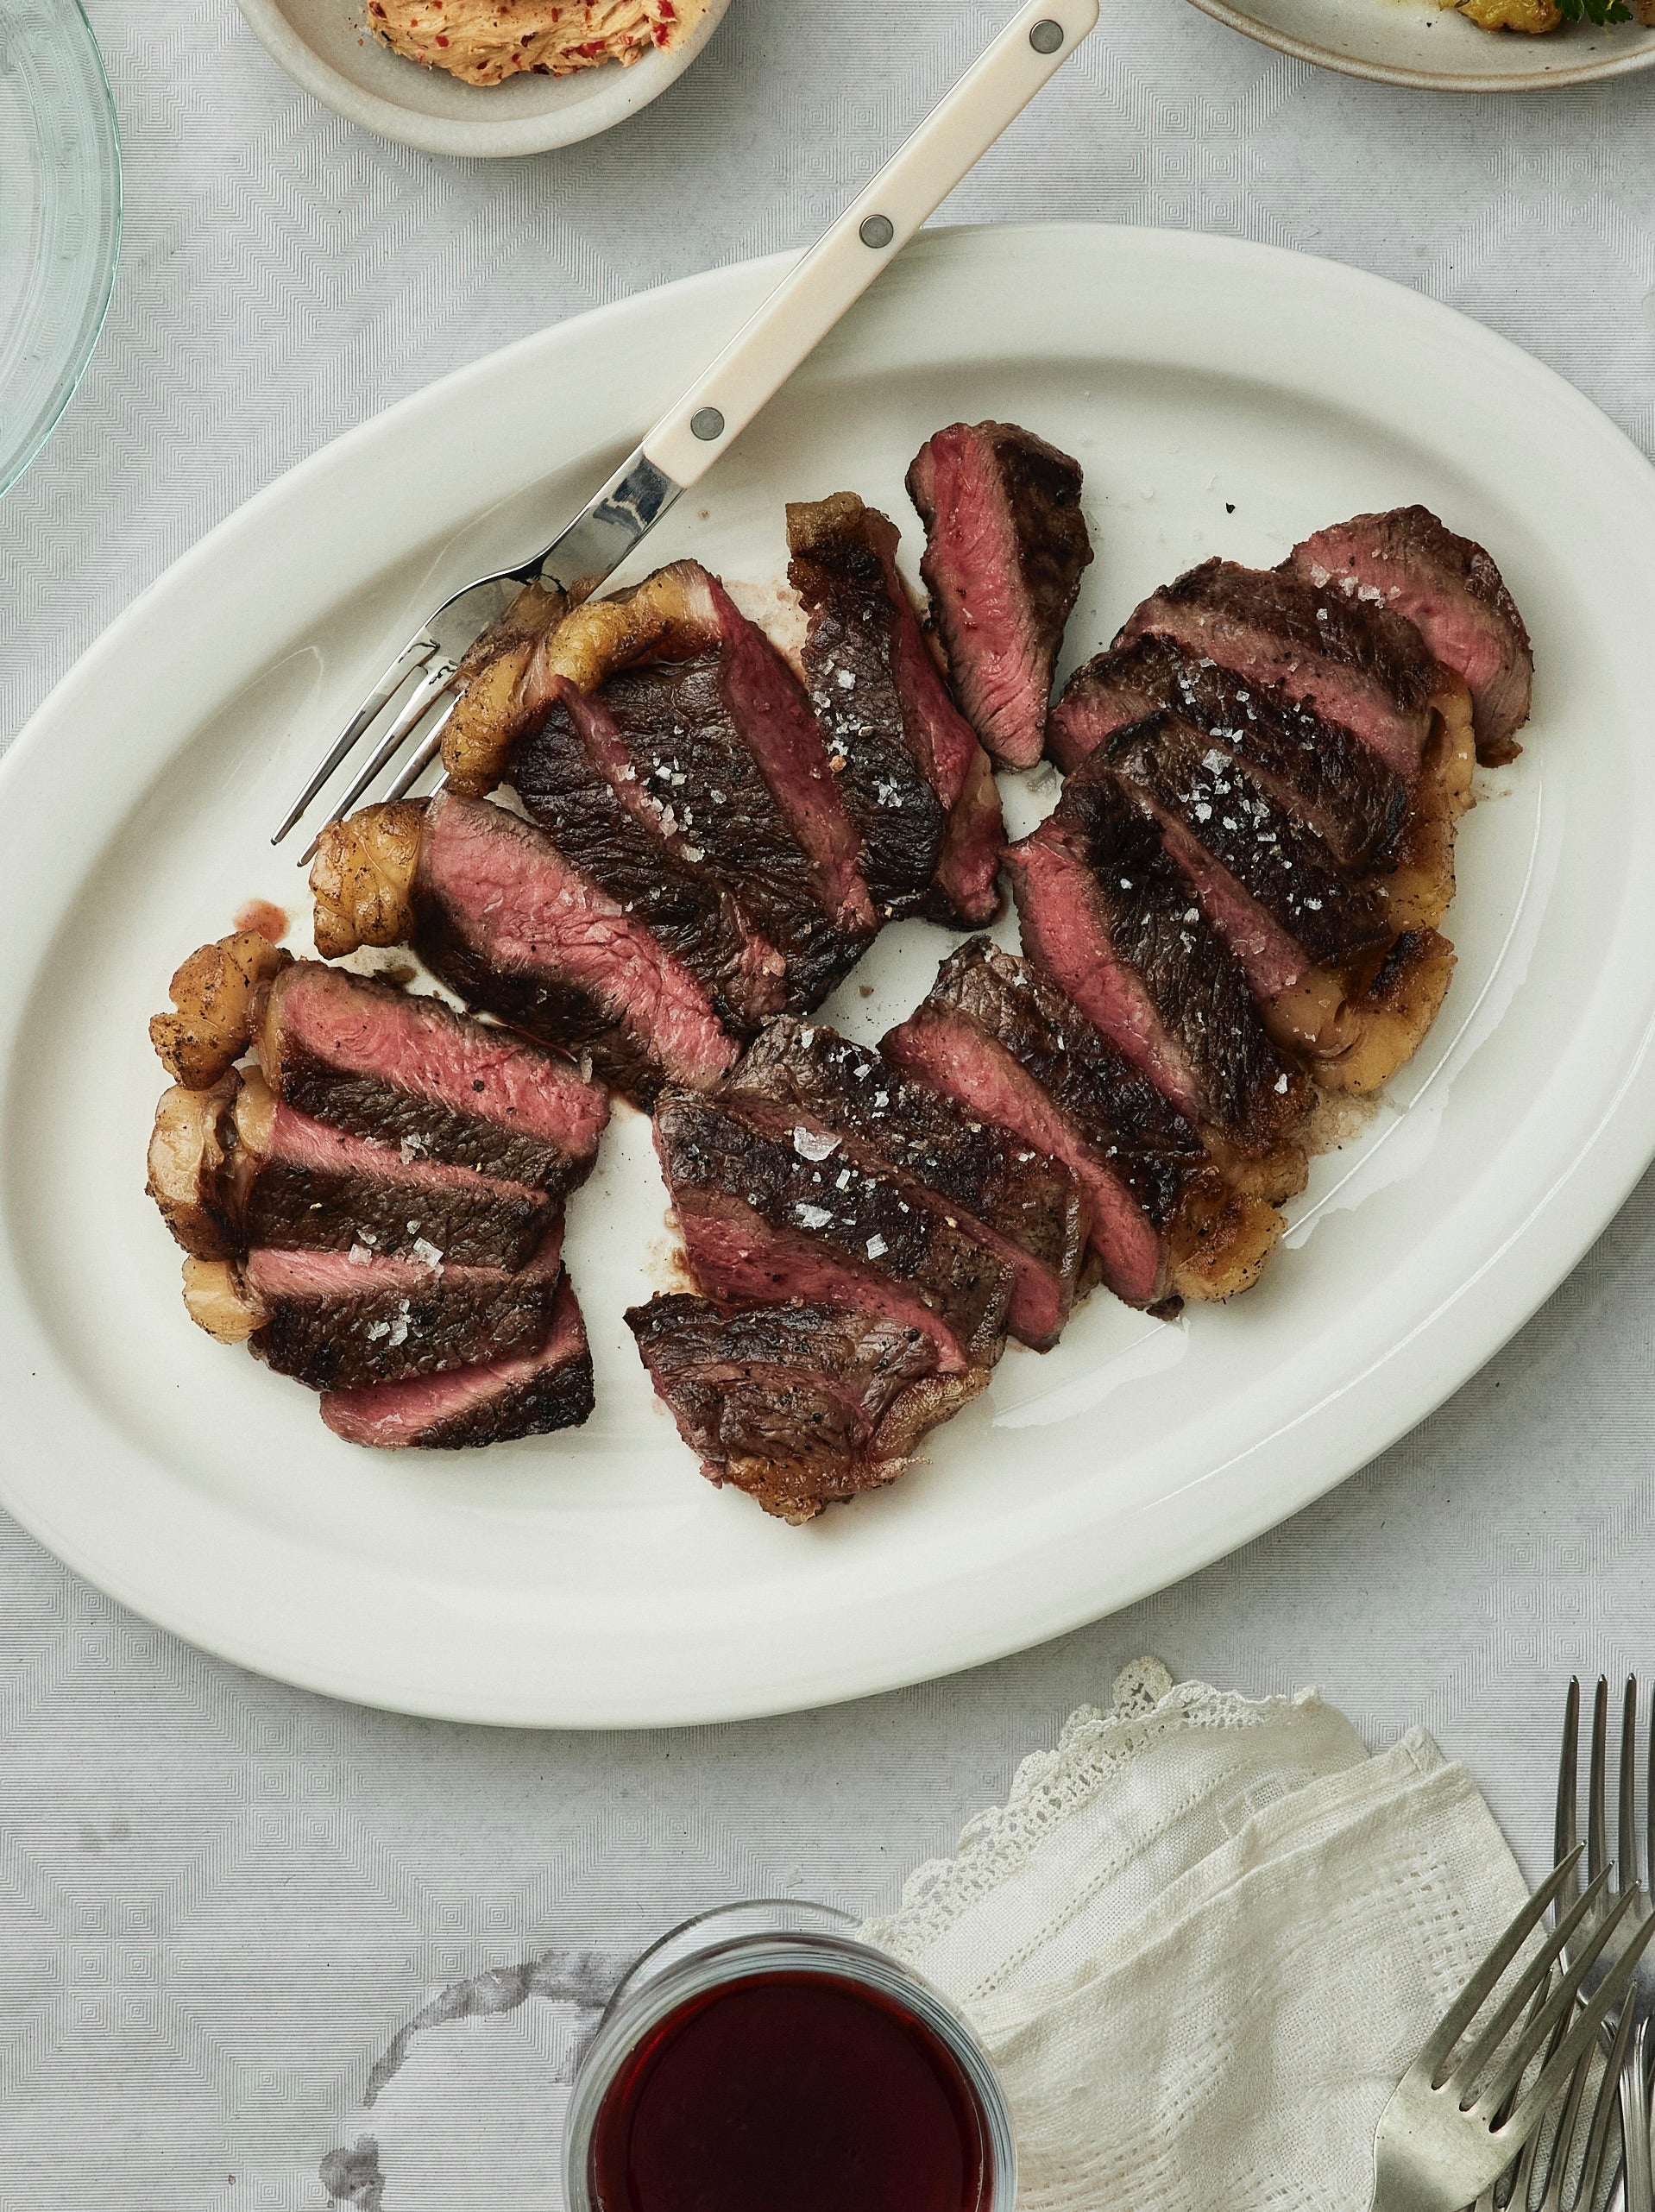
(1317,645)
(497,699)
(362,877)
(1207,790)
(1320,769)
(802,1405)
(513,928)
(1095,880)
(682,737)
(1394,1013)
(909,769)
(369,1097)
(215,994)
(1149,1145)
(1006,547)
(560,779)
(839,573)
(1220,1239)
(1027,1207)
(501,1402)
(735,1169)
(312,1188)
(1452,591)
(335,1324)
(187,1154)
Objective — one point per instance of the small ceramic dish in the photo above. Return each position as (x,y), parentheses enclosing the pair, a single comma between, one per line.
(325,46)
(1433,49)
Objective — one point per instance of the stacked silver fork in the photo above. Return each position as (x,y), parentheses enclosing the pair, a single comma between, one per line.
(1570,2166)
(1625,1867)
(1482,2086)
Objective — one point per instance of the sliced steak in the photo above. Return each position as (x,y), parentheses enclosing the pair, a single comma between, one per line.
(1006,545)
(512,926)
(686,745)
(1268,885)
(1318,769)
(404,1071)
(1110,919)
(996,1037)
(762,1220)
(337,1321)
(300,1184)
(909,770)
(1352,661)
(715,721)
(575,774)
(855,1105)
(1450,588)
(530,1393)
(801,1406)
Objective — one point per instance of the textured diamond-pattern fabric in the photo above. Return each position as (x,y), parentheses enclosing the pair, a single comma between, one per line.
(221,1900)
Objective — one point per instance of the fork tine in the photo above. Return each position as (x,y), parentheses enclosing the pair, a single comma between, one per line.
(1472,1998)
(1533,1981)
(1564,1840)
(424,754)
(1589,2017)
(1628,1840)
(371,709)
(424,695)
(1597,1852)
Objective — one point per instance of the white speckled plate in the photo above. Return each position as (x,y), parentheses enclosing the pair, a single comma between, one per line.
(1436,50)
(594,1578)
(325,46)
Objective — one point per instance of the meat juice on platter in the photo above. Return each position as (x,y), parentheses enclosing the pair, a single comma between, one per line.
(795,2089)
(662,842)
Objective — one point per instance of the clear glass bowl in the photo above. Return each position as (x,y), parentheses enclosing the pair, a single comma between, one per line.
(59,217)
(767,1936)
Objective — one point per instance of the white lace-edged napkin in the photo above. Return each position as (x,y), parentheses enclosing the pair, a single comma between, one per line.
(1204,1939)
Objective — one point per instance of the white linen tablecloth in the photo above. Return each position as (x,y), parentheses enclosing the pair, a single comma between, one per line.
(221,1901)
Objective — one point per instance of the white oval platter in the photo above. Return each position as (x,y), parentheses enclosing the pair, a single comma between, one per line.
(1223,397)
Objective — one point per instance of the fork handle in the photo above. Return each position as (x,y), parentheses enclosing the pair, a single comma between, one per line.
(838,269)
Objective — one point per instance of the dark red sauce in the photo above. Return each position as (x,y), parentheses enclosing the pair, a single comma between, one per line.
(789,2093)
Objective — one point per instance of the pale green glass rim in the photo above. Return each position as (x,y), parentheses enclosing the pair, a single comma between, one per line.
(105,151)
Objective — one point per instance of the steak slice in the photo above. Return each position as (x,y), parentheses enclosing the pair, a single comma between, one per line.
(405,1072)
(1318,769)
(576,776)
(910,772)
(337,1321)
(299,1184)
(994,1035)
(1268,886)
(715,721)
(508,922)
(1450,589)
(801,1406)
(1006,545)
(1348,659)
(1108,917)
(685,744)
(526,1394)
(763,1221)
(861,1106)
